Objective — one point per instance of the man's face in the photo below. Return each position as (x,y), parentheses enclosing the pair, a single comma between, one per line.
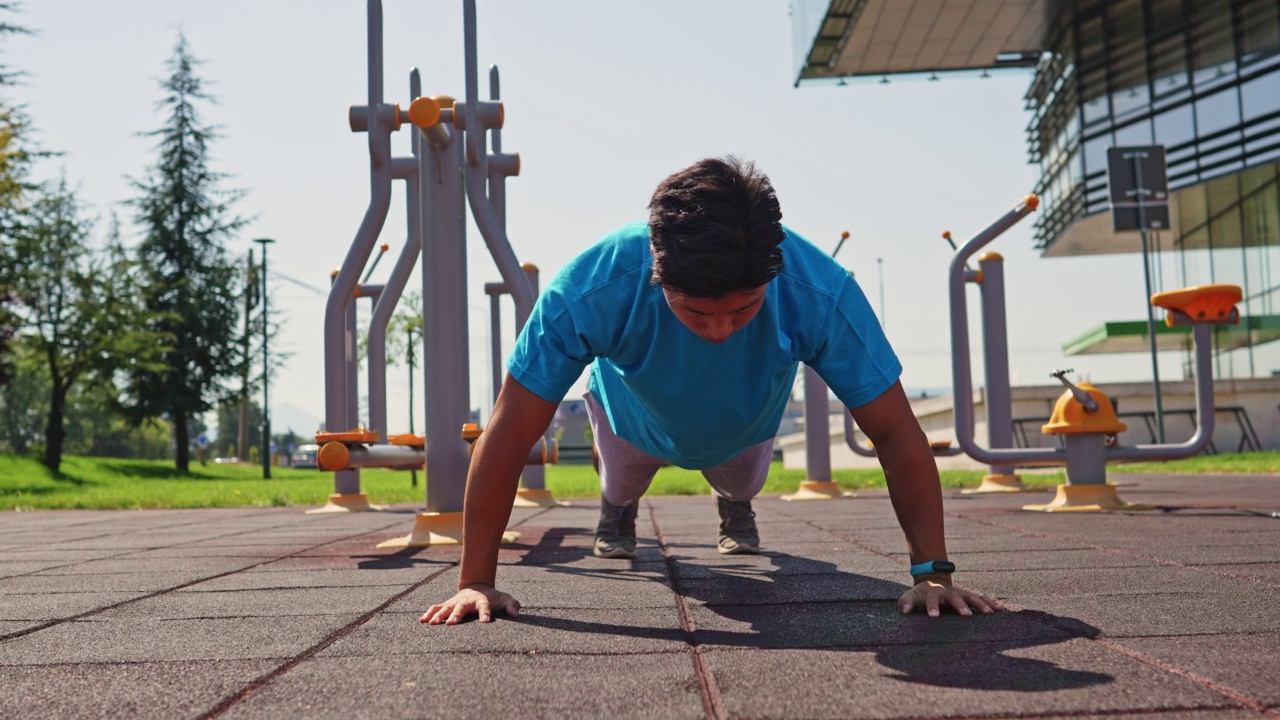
(715,319)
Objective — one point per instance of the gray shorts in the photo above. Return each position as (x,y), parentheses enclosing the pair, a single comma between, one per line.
(626,470)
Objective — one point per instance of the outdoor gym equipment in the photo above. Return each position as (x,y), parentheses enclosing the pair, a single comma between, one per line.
(997,395)
(450,170)
(1083,415)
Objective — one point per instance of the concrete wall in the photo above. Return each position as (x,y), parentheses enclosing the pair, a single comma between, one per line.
(1259,399)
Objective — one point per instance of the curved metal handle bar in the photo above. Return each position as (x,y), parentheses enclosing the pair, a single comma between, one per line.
(1205,420)
(962,384)
(961,380)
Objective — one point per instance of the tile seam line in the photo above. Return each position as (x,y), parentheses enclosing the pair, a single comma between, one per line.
(1119,552)
(96,611)
(232,700)
(712,702)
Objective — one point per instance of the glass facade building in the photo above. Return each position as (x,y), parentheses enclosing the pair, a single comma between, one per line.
(1200,77)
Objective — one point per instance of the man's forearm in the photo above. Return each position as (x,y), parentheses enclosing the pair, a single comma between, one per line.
(912,478)
(491,491)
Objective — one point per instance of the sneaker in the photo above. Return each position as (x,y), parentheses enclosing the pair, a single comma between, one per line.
(616,533)
(738,534)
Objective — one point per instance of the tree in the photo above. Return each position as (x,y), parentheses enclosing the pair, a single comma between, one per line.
(15,160)
(189,281)
(78,312)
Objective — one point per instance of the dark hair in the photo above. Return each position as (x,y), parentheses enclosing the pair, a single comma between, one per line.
(715,228)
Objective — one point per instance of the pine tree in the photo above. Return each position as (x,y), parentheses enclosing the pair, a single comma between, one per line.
(189,282)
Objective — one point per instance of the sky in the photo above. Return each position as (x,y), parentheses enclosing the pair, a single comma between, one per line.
(602,100)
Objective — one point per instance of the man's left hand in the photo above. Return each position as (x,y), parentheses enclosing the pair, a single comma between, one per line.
(933,595)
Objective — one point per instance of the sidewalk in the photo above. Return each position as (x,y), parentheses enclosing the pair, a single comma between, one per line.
(273,613)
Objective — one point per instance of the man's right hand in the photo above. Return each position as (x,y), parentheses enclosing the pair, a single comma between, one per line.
(480,599)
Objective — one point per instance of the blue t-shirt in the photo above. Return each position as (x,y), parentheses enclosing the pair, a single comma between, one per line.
(690,402)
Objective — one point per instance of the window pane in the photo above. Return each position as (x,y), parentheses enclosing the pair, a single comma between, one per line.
(1262,217)
(1138,133)
(1176,126)
(1217,112)
(1261,95)
(1095,153)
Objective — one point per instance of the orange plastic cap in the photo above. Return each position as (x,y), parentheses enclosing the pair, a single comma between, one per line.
(844,235)
(1070,418)
(471,431)
(529,267)
(333,456)
(444,101)
(946,234)
(385,247)
(1202,303)
(1032,201)
(424,112)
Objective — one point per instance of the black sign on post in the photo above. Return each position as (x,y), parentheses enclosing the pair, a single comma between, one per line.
(1139,183)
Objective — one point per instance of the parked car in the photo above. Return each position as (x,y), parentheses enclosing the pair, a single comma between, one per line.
(304,456)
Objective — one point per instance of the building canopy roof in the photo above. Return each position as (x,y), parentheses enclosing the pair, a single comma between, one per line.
(1130,336)
(880,37)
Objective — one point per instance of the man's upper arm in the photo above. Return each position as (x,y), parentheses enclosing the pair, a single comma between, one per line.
(888,414)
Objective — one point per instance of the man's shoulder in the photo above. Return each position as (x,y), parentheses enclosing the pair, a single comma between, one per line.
(809,266)
(621,253)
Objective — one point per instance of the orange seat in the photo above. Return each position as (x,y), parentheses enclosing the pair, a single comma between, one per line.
(1202,303)
(359,435)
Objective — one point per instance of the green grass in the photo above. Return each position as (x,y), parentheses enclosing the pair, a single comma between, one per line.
(103,483)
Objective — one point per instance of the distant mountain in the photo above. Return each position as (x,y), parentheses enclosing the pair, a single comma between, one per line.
(287,416)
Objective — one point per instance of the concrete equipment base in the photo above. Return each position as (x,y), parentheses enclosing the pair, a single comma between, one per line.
(1001,484)
(1087,498)
(436,529)
(814,490)
(349,502)
(536,498)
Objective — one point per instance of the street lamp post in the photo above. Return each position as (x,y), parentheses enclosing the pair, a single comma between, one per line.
(879,267)
(266,367)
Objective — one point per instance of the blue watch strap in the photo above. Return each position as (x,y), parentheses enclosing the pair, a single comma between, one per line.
(933,566)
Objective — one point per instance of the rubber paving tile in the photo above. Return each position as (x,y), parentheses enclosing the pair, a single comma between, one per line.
(468,685)
(144,639)
(1249,664)
(852,624)
(145,690)
(54,606)
(628,631)
(105,582)
(254,603)
(1073,677)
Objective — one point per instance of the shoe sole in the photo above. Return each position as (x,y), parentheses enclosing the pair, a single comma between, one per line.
(616,553)
(739,550)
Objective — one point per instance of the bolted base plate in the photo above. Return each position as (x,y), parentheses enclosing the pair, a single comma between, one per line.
(1087,498)
(814,490)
